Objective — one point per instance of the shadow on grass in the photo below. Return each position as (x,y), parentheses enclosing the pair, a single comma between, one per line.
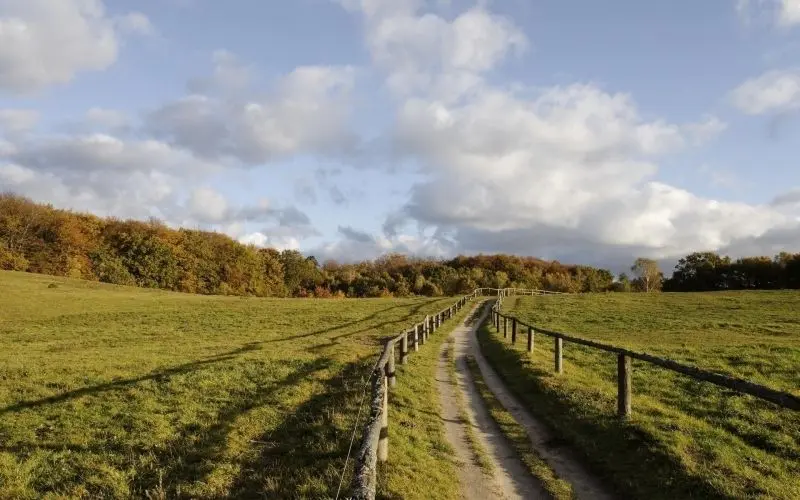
(304,456)
(372,316)
(196,452)
(619,452)
(402,321)
(124,383)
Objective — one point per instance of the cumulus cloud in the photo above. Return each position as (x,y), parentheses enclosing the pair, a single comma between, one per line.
(47,42)
(136,23)
(306,112)
(775,91)
(15,121)
(783,13)
(564,172)
(424,52)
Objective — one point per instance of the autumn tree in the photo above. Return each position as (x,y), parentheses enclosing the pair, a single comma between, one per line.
(648,276)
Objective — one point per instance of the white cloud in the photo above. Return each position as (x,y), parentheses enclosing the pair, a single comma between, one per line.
(46,42)
(790,12)
(784,13)
(136,23)
(107,118)
(14,121)
(562,172)
(424,51)
(207,204)
(705,130)
(307,111)
(773,92)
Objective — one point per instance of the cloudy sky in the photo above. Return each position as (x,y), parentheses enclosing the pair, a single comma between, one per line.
(577,130)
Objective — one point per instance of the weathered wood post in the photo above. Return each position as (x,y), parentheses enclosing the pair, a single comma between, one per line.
(559,343)
(623,386)
(390,372)
(416,340)
(423,338)
(530,339)
(426,325)
(505,327)
(383,440)
(404,348)
(513,330)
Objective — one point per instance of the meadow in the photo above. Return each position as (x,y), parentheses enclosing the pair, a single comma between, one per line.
(686,439)
(118,392)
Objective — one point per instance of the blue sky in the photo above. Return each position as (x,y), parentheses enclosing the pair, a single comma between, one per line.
(576,130)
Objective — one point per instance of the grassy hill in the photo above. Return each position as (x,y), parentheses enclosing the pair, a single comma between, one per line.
(110,391)
(686,439)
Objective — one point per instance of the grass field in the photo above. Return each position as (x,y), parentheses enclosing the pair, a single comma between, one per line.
(116,392)
(686,439)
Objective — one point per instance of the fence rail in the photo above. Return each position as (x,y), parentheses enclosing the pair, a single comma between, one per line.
(375,440)
(624,367)
(374,446)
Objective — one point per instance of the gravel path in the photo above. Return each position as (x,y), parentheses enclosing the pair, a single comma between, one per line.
(510,478)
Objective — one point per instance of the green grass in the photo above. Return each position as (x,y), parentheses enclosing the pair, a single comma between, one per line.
(116,392)
(686,439)
(516,435)
(422,465)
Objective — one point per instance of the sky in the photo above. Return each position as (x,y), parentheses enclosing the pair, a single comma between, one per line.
(587,132)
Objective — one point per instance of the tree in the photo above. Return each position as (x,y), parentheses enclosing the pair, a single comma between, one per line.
(648,275)
(623,284)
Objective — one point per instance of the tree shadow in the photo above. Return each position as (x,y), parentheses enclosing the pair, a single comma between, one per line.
(305,456)
(642,467)
(333,341)
(372,316)
(195,453)
(120,384)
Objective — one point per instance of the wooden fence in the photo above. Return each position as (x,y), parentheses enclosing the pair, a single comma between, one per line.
(375,441)
(624,367)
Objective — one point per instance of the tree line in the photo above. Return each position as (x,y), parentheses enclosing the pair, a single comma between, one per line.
(41,239)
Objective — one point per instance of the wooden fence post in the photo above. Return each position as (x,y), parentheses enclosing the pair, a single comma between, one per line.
(404,348)
(558,357)
(513,330)
(623,386)
(423,338)
(383,441)
(530,339)
(390,372)
(505,328)
(426,326)
(416,340)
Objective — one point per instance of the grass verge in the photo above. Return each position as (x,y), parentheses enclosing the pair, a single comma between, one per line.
(686,439)
(421,462)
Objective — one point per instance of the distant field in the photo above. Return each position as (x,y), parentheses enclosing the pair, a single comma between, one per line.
(116,392)
(686,439)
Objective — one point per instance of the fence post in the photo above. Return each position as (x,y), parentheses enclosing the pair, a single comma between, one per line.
(423,338)
(505,328)
(383,441)
(530,339)
(426,325)
(623,386)
(416,340)
(513,330)
(390,373)
(404,348)
(558,358)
